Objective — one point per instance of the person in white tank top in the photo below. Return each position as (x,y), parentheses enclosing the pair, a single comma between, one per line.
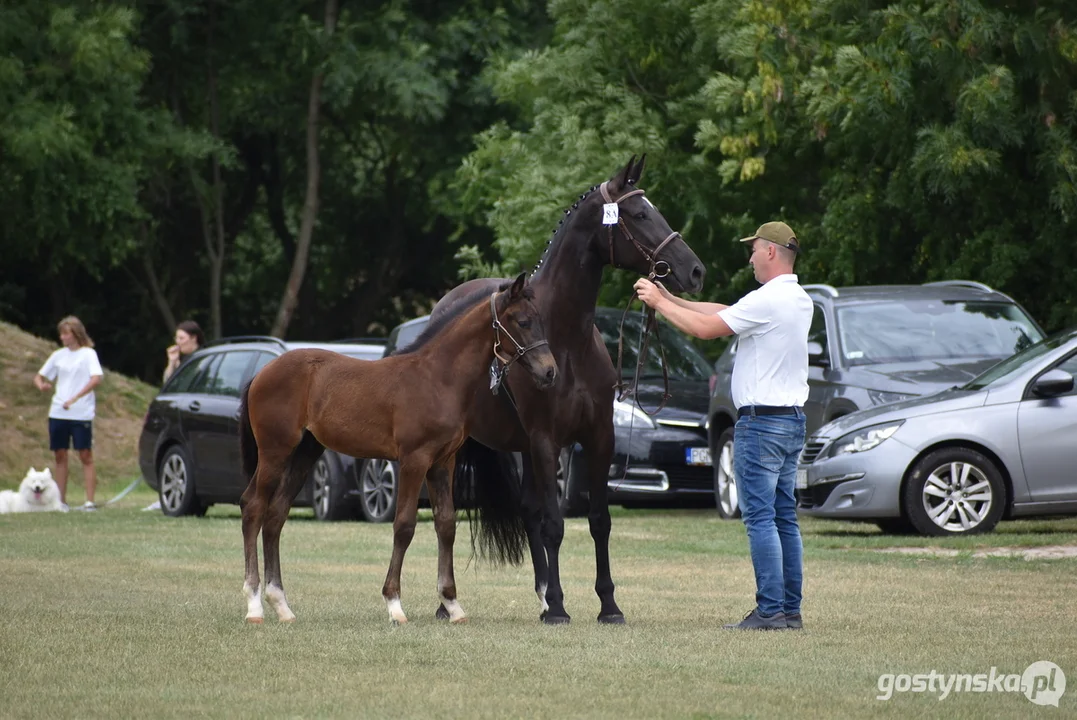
(770,386)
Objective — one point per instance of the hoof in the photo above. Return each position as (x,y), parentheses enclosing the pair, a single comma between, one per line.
(459,621)
(442,613)
(549,619)
(288,620)
(254,620)
(617,619)
(397,623)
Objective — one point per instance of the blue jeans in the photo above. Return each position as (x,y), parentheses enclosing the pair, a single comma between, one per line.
(765,450)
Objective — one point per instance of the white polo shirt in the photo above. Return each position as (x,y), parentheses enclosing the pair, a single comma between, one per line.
(771,324)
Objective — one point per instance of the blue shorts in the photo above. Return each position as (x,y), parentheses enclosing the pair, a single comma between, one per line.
(65,433)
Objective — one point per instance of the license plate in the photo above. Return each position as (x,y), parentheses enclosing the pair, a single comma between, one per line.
(802,479)
(697,456)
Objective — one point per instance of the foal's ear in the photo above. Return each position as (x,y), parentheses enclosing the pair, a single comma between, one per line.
(518,286)
(622,178)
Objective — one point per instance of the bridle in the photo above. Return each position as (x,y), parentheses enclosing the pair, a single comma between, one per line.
(498,372)
(651,258)
(658,269)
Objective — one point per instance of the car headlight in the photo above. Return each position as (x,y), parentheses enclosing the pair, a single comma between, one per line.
(878,397)
(626,414)
(863,439)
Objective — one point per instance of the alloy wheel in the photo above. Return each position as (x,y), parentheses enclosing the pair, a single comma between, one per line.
(957,496)
(173,483)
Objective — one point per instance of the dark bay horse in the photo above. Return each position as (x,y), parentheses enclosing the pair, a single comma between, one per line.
(411,407)
(580,406)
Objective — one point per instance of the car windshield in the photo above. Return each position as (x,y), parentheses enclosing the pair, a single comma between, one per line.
(908,331)
(1000,374)
(684,361)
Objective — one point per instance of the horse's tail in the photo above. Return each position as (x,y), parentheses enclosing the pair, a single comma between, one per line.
(248,446)
(488,484)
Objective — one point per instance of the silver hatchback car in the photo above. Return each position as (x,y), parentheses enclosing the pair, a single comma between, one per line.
(958,461)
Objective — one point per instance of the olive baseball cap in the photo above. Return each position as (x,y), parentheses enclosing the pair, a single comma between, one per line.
(778,233)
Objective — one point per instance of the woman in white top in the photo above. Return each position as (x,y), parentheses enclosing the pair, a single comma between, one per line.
(76,371)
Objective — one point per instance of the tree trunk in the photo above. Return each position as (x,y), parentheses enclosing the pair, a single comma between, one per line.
(290,299)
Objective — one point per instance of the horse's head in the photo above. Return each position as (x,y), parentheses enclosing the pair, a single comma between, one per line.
(519,335)
(641,239)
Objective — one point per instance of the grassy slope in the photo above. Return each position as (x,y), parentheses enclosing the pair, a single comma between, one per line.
(24,436)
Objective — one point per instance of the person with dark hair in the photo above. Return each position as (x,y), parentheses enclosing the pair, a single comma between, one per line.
(76,371)
(189,338)
(770,387)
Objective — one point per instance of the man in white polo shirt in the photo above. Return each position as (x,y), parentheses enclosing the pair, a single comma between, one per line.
(770,386)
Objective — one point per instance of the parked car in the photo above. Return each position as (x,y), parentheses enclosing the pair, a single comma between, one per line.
(657,461)
(956,462)
(189,446)
(877,344)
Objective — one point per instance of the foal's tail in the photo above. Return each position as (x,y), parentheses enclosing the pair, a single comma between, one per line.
(489,486)
(248,446)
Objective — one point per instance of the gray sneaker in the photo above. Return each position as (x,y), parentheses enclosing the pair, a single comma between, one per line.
(794,622)
(755,621)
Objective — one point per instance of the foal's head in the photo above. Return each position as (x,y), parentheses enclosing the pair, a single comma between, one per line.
(638,237)
(519,334)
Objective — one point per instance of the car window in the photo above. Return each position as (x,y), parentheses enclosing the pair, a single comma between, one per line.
(817,332)
(683,360)
(913,330)
(189,374)
(261,361)
(230,372)
(1070,365)
(405,335)
(1000,374)
(203,381)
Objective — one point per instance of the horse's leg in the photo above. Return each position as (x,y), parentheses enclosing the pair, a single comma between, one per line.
(439,484)
(531,507)
(598,452)
(298,468)
(544,457)
(412,471)
(253,504)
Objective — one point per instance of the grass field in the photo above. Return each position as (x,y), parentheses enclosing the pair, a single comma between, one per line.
(124,613)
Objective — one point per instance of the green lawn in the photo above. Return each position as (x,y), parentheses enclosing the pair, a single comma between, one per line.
(124,613)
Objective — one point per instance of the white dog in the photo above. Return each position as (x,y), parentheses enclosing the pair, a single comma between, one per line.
(38,492)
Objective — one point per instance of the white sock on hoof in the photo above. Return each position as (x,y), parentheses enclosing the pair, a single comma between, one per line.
(254,604)
(456,613)
(277,601)
(396,611)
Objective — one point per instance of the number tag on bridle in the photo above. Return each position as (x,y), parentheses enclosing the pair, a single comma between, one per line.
(497,375)
(610,213)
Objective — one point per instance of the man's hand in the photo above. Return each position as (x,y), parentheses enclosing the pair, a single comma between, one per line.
(652,294)
(67,405)
(42,384)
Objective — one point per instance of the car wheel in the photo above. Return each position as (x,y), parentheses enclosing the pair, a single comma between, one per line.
(954,491)
(176,485)
(568,492)
(327,490)
(725,481)
(378,490)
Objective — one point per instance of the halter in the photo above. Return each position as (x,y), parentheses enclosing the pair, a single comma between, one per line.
(651,258)
(520,349)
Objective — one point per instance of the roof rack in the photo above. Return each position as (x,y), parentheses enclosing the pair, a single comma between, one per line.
(962,283)
(823,288)
(248,338)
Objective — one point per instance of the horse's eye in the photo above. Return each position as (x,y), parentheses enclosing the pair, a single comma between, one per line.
(640,215)
(524,324)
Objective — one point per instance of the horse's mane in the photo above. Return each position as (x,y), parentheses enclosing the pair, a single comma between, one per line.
(455,311)
(560,230)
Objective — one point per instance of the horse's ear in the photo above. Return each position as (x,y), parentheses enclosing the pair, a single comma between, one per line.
(637,171)
(622,177)
(518,286)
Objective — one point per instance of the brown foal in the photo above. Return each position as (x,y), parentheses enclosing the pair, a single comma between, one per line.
(410,407)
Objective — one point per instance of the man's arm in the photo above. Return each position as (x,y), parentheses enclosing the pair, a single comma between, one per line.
(694,322)
(706,308)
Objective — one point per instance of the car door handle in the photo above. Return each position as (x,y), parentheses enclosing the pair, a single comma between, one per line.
(195,405)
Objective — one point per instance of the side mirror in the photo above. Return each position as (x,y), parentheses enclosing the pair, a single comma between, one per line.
(1052,384)
(817,355)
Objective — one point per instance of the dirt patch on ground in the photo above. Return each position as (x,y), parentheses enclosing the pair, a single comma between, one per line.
(1047,552)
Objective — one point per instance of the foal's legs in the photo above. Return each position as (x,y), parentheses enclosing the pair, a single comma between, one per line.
(280,498)
(253,504)
(439,483)
(412,470)
(598,452)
